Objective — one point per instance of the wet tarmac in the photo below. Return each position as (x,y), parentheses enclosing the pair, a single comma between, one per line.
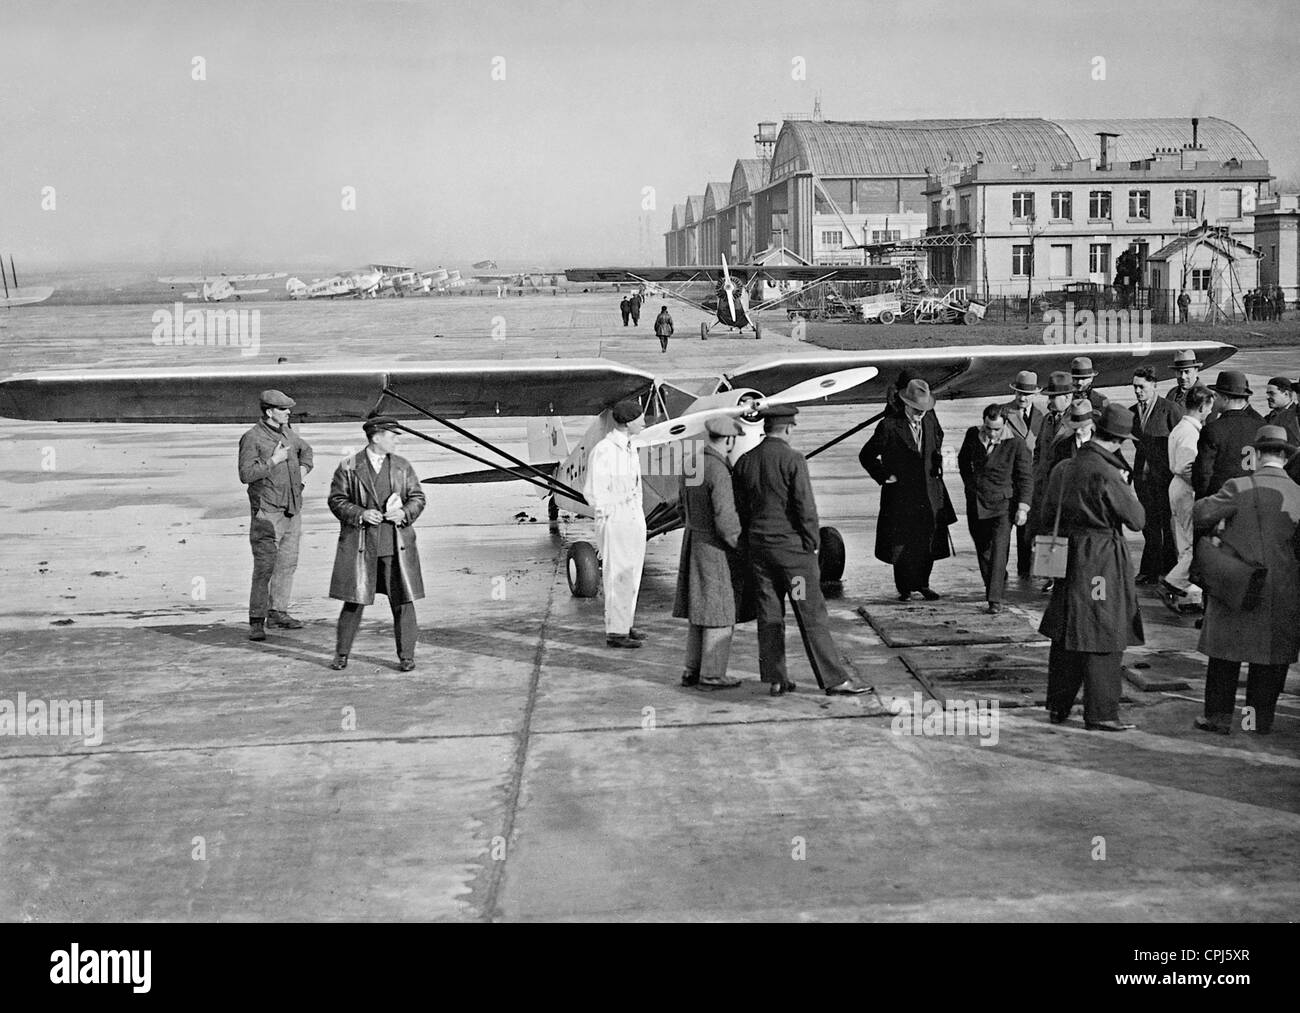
(524,771)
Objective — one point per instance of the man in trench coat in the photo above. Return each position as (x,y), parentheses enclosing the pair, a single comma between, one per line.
(711,574)
(1261,514)
(1154,419)
(1093,613)
(1025,419)
(376,496)
(905,455)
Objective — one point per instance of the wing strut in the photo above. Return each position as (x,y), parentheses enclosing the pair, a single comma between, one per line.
(844,436)
(547,482)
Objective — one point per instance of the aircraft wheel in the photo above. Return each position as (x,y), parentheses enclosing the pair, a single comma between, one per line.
(552,509)
(830,557)
(704,332)
(970,318)
(583,567)
(886,316)
(758,330)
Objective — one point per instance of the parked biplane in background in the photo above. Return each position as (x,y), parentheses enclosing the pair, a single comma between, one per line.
(219,288)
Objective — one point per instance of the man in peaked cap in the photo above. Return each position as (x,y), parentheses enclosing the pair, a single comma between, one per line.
(778,515)
(1025,419)
(1221,450)
(377,497)
(1186,367)
(273,459)
(1082,373)
(906,459)
(613,489)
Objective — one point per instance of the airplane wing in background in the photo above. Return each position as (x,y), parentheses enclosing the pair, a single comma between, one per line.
(715,274)
(326,392)
(965,372)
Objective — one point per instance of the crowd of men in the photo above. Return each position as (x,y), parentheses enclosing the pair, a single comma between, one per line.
(1203,464)
(1265,303)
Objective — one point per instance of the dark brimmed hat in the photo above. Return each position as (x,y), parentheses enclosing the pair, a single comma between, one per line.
(1115,423)
(1081,368)
(1273,438)
(627,411)
(277,399)
(1026,382)
(1231,383)
(1186,359)
(917,395)
(1281,383)
(723,425)
(779,411)
(385,423)
(1081,414)
(1058,383)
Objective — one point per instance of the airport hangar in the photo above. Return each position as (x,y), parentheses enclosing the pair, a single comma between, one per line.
(979,198)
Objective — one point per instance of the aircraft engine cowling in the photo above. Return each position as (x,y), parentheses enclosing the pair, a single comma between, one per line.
(753,426)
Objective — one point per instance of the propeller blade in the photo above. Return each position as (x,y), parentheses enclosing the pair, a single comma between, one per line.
(820,386)
(684,427)
(728,287)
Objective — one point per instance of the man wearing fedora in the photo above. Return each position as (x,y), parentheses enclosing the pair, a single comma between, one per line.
(1181,594)
(1187,368)
(998,474)
(377,497)
(906,459)
(782,534)
(1223,450)
(1154,419)
(1074,430)
(1059,391)
(1093,612)
(273,459)
(1083,374)
(710,573)
(1025,420)
(1260,515)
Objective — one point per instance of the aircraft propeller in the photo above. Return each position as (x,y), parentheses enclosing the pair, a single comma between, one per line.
(691,425)
(728,288)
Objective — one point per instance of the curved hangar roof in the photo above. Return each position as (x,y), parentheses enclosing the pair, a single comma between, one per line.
(910,147)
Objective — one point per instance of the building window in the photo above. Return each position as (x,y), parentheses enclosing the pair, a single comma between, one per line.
(936,213)
(1200,279)
(1062,205)
(835,239)
(1099,205)
(1139,204)
(1099,258)
(1022,204)
(886,236)
(1022,260)
(1229,203)
(1061,260)
(965,210)
(1184,203)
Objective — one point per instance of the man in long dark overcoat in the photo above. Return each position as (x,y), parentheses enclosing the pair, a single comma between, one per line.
(1093,612)
(1154,419)
(1059,391)
(1025,419)
(905,456)
(711,572)
(1223,450)
(376,496)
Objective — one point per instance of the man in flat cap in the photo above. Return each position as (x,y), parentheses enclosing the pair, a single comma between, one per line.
(377,497)
(1082,373)
(1024,419)
(1280,394)
(906,459)
(613,489)
(1093,613)
(778,515)
(1224,449)
(1154,418)
(273,459)
(1187,369)
(711,573)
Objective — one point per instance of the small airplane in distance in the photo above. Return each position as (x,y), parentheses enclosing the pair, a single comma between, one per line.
(221,287)
(357,284)
(735,285)
(25,297)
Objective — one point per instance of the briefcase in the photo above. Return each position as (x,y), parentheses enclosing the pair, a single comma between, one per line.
(1051,552)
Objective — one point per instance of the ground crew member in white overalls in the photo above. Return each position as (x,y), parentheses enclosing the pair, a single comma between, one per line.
(613,488)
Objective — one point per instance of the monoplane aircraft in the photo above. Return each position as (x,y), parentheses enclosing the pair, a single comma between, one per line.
(222,286)
(735,285)
(544,391)
(357,284)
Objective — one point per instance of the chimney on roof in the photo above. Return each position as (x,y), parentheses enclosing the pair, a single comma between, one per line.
(1196,123)
(1103,159)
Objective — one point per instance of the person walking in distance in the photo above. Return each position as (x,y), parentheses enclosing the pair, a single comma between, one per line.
(663,328)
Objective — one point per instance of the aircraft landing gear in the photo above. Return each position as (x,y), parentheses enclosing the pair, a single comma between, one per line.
(830,557)
(583,567)
(704,332)
(758,330)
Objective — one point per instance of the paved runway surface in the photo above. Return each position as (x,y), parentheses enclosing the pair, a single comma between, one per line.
(524,771)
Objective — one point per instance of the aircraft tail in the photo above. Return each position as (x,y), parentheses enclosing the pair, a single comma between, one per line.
(547,440)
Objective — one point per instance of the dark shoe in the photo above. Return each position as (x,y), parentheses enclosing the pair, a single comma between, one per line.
(406,666)
(1107,726)
(1188,608)
(1145,578)
(781,688)
(1219,727)
(621,640)
(905,596)
(719,682)
(258,629)
(283,621)
(1058,717)
(848,688)
(690,678)
(994,608)
(1047,586)
(635,634)
(1170,590)
(930,594)
(339,663)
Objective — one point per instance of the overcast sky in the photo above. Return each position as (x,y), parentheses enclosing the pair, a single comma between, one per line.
(247,168)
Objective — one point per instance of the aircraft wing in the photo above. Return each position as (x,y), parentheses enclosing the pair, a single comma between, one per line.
(26,296)
(324,392)
(714,274)
(964,372)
